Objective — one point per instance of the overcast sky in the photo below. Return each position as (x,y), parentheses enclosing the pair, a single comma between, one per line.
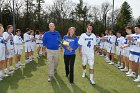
(135,4)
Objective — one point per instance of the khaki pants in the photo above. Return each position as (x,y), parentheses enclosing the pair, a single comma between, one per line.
(53,59)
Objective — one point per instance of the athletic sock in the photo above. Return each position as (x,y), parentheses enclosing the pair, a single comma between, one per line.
(91,76)
(118,62)
(84,71)
(129,71)
(121,64)
(126,68)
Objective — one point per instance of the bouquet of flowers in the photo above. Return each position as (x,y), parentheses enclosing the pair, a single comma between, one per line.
(66,44)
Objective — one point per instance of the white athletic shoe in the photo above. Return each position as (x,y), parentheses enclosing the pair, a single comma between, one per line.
(102,55)
(17,66)
(133,74)
(108,61)
(121,67)
(30,59)
(118,65)
(106,58)
(6,72)
(84,75)
(92,82)
(11,68)
(124,70)
(111,63)
(129,72)
(137,80)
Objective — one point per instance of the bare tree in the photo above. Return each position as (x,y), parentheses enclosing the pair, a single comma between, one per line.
(18,9)
(105,8)
(95,12)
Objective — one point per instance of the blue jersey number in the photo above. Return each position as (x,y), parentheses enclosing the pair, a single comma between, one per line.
(11,42)
(89,44)
(126,41)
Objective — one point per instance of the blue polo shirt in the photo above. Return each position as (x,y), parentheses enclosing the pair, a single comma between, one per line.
(51,40)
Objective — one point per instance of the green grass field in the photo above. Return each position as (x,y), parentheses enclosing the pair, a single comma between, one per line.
(33,79)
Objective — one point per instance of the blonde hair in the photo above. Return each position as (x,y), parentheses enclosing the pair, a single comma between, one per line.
(71,28)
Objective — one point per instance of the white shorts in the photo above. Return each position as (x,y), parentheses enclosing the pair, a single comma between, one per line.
(126,52)
(111,49)
(106,46)
(2,53)
(18,51)
(32,47)
(137,59)
(131,57)
(39,45)
(119,51)
(10,53)
(27,48)
(134,58)
(88,58)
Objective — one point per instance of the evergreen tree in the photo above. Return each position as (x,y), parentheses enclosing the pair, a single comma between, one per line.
(125,16)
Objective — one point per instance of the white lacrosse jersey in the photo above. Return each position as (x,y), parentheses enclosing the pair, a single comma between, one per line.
(2,42)
(2,48)
(111,40)
(18,42)
(27,39)
(134,44)
(87,42)
(120,41)
(39,39)
(10,42)
(32,41)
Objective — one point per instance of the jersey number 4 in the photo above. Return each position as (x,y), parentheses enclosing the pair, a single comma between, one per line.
(89,44)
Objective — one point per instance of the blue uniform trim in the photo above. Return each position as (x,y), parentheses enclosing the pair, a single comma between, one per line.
(135,53)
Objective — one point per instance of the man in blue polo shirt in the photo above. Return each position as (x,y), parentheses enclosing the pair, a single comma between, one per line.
(51,41)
